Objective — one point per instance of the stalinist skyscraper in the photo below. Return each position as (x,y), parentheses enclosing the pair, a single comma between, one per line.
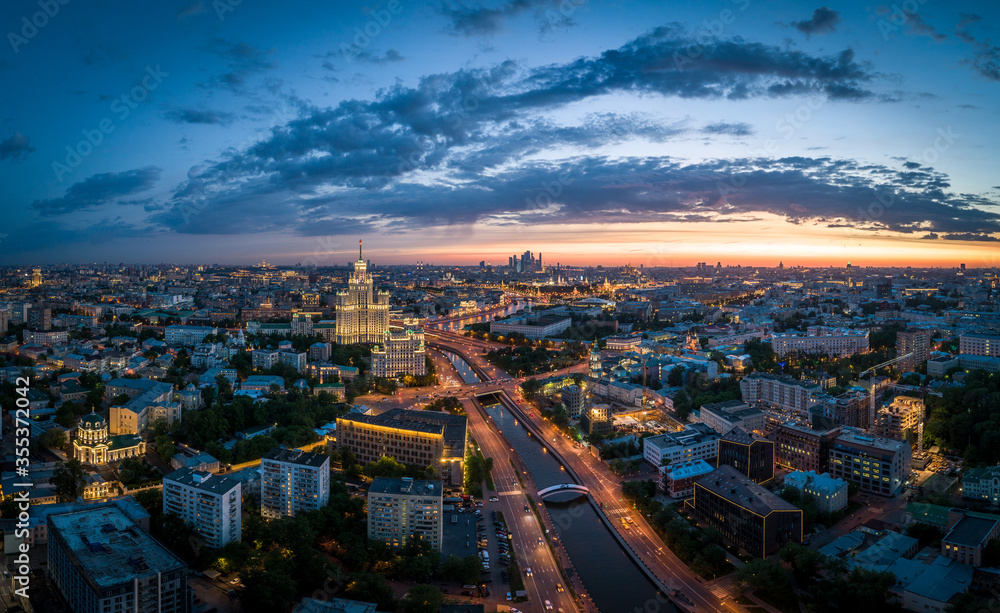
(362,314)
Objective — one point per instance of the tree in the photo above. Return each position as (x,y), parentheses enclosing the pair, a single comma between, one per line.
(53,438)
(531,387)
(69,479)
(423,599)
(676,376)
(369,587)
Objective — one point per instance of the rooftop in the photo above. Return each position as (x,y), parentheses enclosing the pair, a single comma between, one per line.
(729,483)
(692,435)
(334,605)
(385,485)
(108,547)
(971,531)
(453,427)
(295,456)
(204,481)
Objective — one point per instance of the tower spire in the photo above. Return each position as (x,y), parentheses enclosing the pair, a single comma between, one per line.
(359,250)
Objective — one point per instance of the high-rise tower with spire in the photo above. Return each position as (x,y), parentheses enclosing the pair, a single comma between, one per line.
(362,312)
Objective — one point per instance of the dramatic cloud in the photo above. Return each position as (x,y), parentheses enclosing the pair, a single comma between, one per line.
(388,57)
(99,190)
(17,147)
(823,21)
(203,116)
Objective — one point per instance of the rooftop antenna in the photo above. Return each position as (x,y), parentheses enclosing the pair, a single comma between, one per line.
(359,250)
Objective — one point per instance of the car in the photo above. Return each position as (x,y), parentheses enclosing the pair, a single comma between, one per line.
(548,605)
(527,509)
(559,587)
(527,571)
(539,540)
(468,593)
(509,598)
(494,499)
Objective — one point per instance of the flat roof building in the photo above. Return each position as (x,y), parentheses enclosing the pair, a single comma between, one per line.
(830,494)
(424,438)
(696,442)
(746,513)
(878,465)
(400,509)
(293,481)
(102,562)
(211,504)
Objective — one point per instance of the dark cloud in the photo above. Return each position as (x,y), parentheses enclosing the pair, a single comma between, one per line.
(823,21)
(731,129)
(985,58)
(930,236)
(101,54)
(199,116)
(968,236)
(916,25)
(17,147)
(194,8)
(99,190)
(485,21)
(244,61)
(465,147)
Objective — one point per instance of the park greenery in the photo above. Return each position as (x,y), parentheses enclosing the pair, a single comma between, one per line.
(824,584)
(966,419)
(282,560)
(525,360)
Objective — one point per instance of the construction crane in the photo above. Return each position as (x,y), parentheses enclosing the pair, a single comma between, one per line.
(871,390)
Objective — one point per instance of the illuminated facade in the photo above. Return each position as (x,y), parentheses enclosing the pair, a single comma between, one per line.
(93,446)
(400,509)
(362,313)
(401,353)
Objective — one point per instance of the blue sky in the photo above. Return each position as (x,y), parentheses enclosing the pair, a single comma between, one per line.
(659,133)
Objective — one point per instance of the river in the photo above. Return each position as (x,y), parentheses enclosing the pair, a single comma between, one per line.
(612,579)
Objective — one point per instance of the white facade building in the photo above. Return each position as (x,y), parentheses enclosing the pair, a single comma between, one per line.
(362,313)
(211,504)
(293,481)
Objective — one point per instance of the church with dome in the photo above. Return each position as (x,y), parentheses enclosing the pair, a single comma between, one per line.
(93,446)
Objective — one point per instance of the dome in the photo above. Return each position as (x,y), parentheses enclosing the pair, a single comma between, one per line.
(92,421)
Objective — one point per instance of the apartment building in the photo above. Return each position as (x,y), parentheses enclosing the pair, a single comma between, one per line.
(982,484)
(531,326)
(573,398)
(917,342)
(401,353)
(980,344)
(401,509)
(211,504)
(101,561)
(696,442)
(746,513)
(837,342)
(265,358)
(425,438)
(779,391)
(293,481)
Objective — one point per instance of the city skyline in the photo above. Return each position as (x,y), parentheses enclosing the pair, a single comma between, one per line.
(609,135)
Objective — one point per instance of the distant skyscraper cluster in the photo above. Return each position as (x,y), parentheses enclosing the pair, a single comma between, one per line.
(525,263)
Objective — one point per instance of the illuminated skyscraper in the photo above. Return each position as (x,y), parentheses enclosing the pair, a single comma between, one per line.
(362,313)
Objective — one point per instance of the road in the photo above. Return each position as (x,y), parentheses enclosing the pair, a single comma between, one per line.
(605,488)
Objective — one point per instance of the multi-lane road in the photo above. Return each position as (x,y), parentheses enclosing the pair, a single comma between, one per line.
(605,488)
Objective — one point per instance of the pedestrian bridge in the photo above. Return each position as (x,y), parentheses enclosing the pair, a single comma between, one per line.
(563,488)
